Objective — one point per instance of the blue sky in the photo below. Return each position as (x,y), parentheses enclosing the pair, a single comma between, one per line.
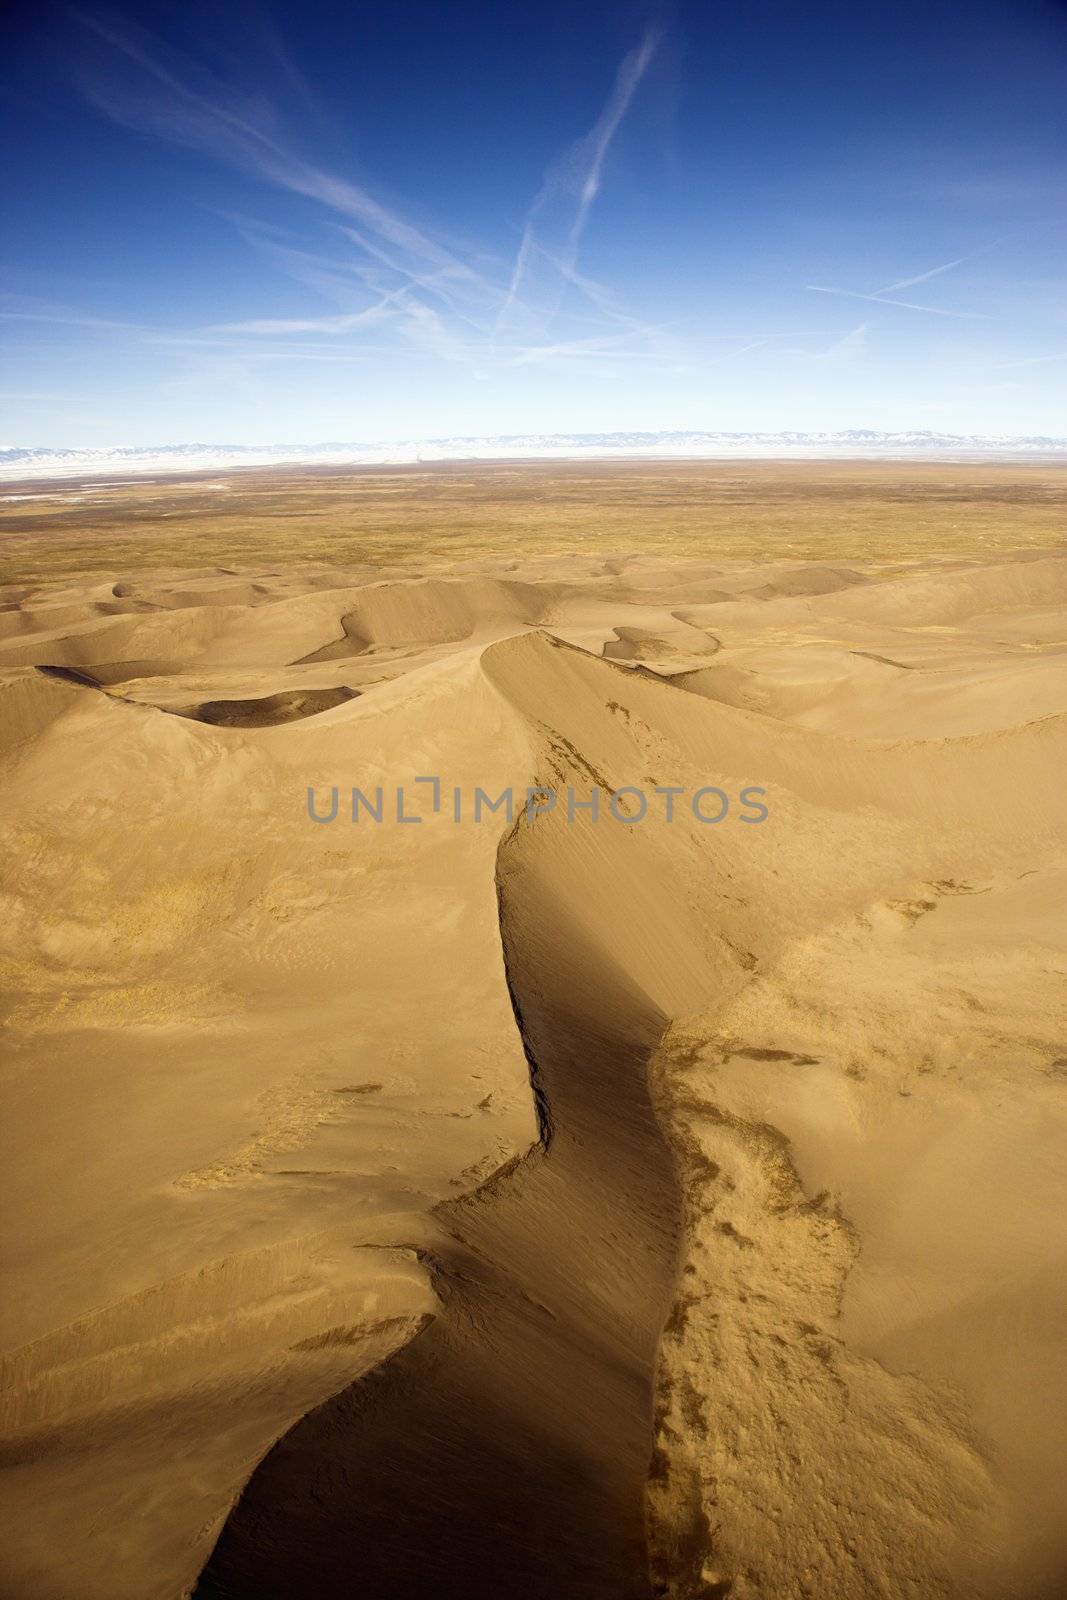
(312,222)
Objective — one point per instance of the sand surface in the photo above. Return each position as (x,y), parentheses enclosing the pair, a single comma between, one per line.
(555,1206)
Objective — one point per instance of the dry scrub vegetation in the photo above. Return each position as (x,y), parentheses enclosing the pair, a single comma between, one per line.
(429,517)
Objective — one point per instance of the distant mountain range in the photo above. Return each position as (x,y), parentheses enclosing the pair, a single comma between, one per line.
(124,460)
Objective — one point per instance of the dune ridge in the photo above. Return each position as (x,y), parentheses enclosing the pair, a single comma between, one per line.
(507,1446)
(561,1207)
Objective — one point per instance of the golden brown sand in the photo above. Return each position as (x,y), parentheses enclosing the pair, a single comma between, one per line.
(557,1208)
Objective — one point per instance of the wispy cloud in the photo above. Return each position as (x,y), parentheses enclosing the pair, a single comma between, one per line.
(615,345)
(1033,361)
(576,180)
(157,98)
(886,296)
(849,348)
(429,294)
(346,322)
(60,317)
(907,305)
(922,277)
(395,282)
(842,351)
(589,156)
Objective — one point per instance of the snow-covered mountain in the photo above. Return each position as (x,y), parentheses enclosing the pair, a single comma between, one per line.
(124,460)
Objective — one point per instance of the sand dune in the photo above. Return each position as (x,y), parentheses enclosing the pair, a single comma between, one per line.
(543,1205)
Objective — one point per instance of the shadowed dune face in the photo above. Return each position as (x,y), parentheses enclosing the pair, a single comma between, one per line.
(506,1449)
(271,709)
(545,1206)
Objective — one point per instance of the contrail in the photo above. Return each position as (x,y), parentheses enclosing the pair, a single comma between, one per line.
(909,305)
(593,150)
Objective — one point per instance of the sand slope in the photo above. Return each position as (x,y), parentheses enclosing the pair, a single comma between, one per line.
(625,1208)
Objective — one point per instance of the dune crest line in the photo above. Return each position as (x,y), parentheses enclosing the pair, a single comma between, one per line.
(506,1448)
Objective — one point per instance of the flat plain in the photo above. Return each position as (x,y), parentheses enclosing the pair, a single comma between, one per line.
(430,517)
(585,1201)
